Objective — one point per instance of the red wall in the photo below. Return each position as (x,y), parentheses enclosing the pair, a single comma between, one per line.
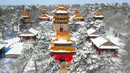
(27,38)
(68,57)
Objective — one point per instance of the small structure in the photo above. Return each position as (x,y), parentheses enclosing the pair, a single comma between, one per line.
(77,16)
(101,44)
(28,35)
(77,10)
(98,15)
(44,16)
(92,33)
(44,10)
(25,17)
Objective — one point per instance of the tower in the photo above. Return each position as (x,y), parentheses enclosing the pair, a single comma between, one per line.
(77,10)
(25,17)
(98,15)
(44,10)
(77,16)
(44,16)
(61,19)
(61,46)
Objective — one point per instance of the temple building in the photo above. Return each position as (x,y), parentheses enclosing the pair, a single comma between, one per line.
(25,17)
(98,15)
(92,33)
(61,18)
(77,16)
(44,16)
(103,45)
(62,48)
(29,34)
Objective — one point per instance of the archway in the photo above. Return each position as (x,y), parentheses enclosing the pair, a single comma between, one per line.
(61,29)
(62,59)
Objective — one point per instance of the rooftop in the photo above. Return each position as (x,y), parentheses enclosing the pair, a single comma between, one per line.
(61,9)
(77,15)
(25,14)
(30,32)
(44,16)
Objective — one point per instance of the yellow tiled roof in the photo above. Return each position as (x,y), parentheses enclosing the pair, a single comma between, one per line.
(63,48)
(61,17)
(44,15)
(61,21)
(26,14)
(61,7)
(27,20)
(97,13)
(78,15)
(44,9)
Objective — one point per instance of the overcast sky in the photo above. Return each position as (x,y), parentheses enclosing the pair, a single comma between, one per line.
(53,2)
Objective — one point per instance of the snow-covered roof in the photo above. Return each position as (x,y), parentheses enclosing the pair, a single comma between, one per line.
(99,16)
(59,51)
(80,22)
(115,40)
(91,30)
(92,22)
(35,32)
(26,34)
(25,16)
(60,11)
(62,41)
(78,16)
(109,47)
(30,32)
(15,49)
(99,41)
(99,20)
(45,16)
(11,41)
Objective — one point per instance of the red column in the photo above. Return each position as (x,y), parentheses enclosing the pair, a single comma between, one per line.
(115,53)
(21,38)
(98,52)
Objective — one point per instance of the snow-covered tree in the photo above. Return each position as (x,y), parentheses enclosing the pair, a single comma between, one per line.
(24,58)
